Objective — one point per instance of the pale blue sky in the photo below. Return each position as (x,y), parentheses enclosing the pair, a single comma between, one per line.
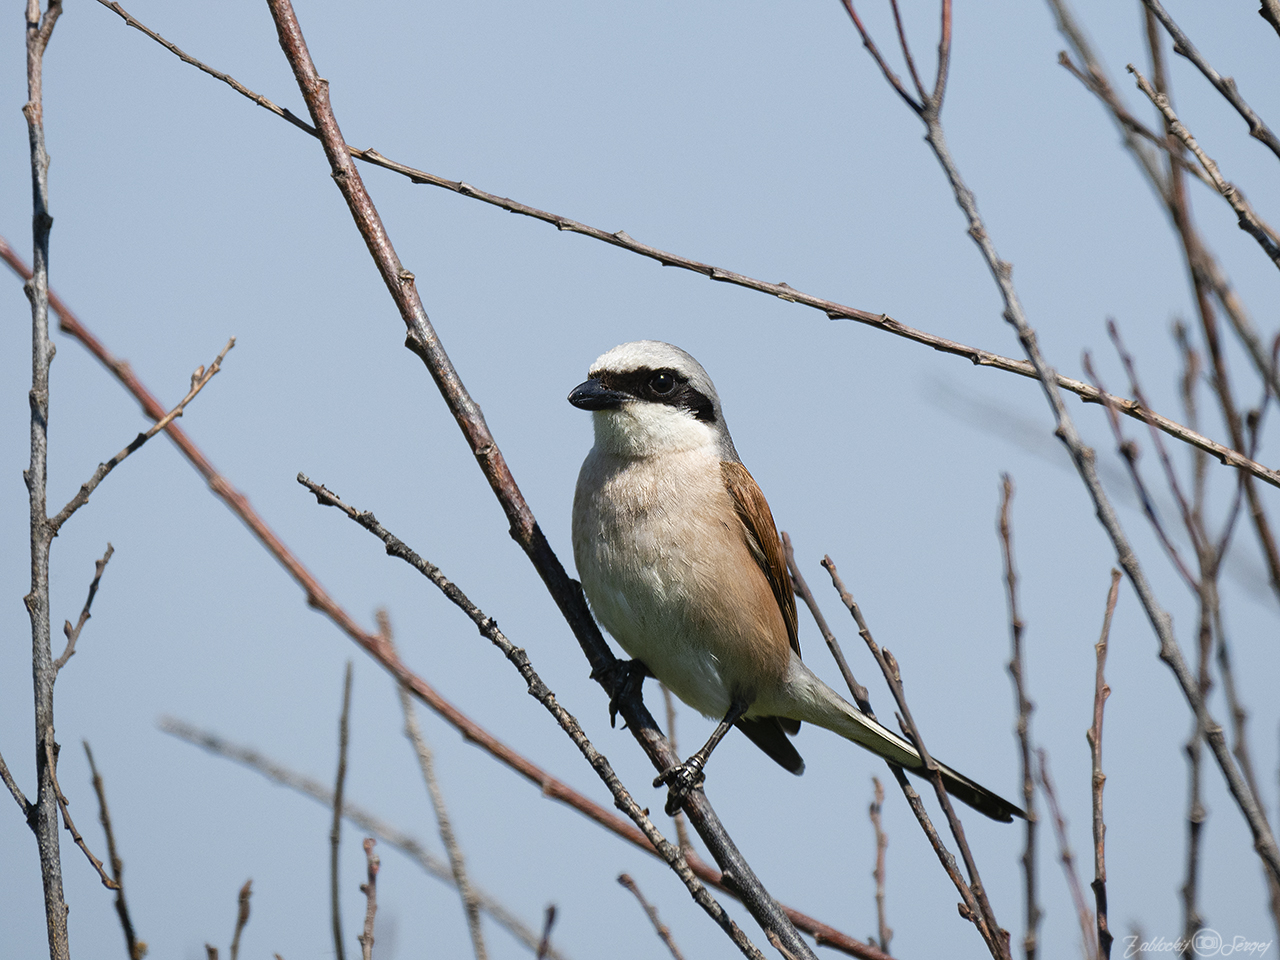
(757,137)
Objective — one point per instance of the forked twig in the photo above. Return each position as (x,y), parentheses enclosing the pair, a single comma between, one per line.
(136,948)
(662,930)
(73,633)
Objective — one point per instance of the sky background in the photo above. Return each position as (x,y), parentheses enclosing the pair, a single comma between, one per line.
(756,137)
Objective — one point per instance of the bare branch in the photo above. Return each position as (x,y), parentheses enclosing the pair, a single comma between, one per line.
(1224,85)
(63,802)
(977,907)
(834,310)
(1085,916)
(916,105)
(544,945)
(137,948)
(73,633)
(199,379)
(542,693)
(1025,708)
(28,811)
(335,831)
(357,815)
(859,692)
(1084,459)
(682,831)
(370,890)
(1250,222)
(663,931)
(883,931)
(242,916)
(426,762)
(1094,735)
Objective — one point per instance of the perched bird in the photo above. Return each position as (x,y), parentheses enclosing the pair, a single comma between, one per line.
(681,562)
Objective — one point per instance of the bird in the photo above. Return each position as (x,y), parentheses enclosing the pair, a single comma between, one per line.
(680,561)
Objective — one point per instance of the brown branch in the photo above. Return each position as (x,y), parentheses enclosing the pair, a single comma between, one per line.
(366,821)
(1068,859)
(1224,85)
(1213,274)
(335,830)
(663,931)
(199,379)
(883,931)
(1083,458)
(73,633)
(544,945)
(833,310)
(1025,708)
(538,689)
(370,890)
(1094,735)
(28,811)
(859,692)
(51,760)
(1250,222)
(242,916)
(977,907)
(136,948)
(426,763)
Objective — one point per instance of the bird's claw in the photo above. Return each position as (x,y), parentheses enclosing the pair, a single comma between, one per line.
(628,676)
(680,779)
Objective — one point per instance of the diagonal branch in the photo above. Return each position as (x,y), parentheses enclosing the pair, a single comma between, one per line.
(73,633)
(537,689)
(199,379)
(832,309)
(1224,85)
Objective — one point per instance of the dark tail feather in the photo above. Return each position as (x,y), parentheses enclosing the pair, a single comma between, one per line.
(769,734)
(975,795)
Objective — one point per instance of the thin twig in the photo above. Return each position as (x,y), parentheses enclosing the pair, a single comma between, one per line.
(663,931)
(370,890)
(1250,222)
(426,763)
(1224,85)
(1094,735)
(682,830)
(977,907)
(335,830)
(242,916)
(859,692)
(73,633)
(63,804)
(834,310)
(549,921)
(199,379)
(24,804)
(884,932)
(1083,458)
(1083,913)
(366,821)
(137,948)
(1025,708)
(538,689)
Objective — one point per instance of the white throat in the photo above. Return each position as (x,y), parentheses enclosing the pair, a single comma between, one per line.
(639,429)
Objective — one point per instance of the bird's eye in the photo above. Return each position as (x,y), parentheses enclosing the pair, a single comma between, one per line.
(662,383)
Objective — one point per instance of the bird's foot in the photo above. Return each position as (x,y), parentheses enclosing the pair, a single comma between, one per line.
(680,779)
(628,677)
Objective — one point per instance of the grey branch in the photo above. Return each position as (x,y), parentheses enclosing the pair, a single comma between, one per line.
(335,830)
(389,834)
(73,633)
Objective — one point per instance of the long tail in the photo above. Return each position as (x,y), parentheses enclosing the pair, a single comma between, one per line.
(821,705)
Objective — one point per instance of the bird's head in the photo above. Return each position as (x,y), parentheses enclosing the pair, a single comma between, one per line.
(649,398)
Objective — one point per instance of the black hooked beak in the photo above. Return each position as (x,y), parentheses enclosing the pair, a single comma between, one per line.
(591,395)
